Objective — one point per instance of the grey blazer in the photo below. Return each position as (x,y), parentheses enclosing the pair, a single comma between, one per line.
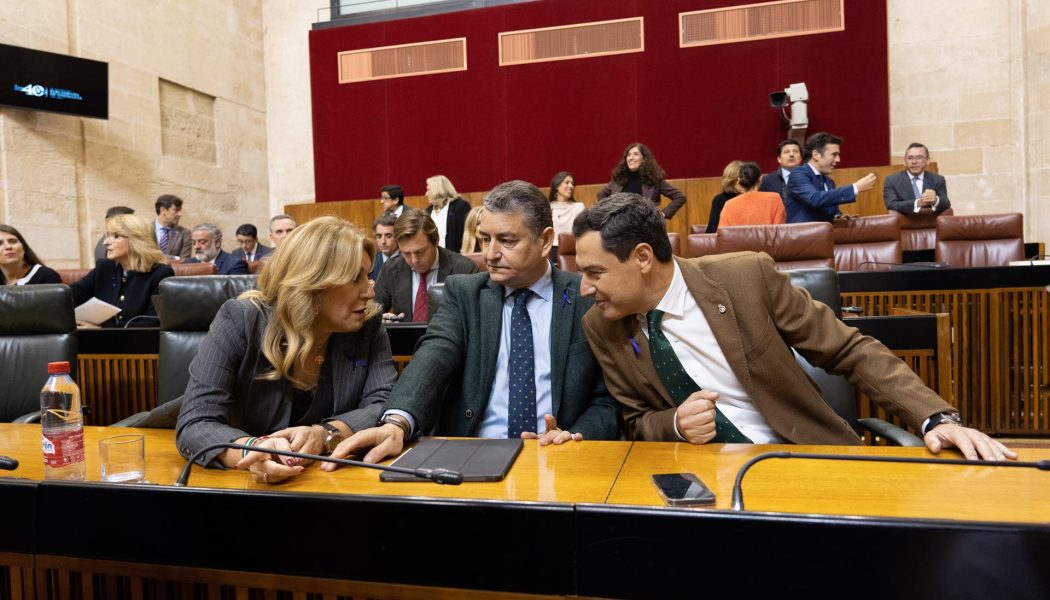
(446,386)
(898,194)
(224,399)
(394,284)
(179,242)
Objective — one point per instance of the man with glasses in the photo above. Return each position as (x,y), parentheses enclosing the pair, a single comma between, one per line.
(915,190)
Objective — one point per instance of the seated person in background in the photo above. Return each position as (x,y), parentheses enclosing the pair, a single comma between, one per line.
(280,227)
(392,199)
(916,190)
(401,288)
(207,248)
(173,239)
(564,206)
(129,275)
(471,244)
(811,194)
(18,263)
(250,249)
(298,364)
(700,350)
(505,357)
(386,243)
(730,190)
(789,156)
(112,211)
(753,207)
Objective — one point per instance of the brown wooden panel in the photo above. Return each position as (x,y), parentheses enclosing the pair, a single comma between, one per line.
(116,386)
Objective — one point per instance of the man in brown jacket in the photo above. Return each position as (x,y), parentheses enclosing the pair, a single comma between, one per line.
(688,344)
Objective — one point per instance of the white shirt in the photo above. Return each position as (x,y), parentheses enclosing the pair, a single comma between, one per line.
(29,275)
(441,220)
(785,173)
(694,343)
(916,180)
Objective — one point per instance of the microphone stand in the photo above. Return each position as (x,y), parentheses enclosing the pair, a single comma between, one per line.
(441,476)
(738,490)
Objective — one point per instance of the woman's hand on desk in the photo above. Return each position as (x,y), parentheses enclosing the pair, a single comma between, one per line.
(308,439)
(267,468)
(385,440)
(972,443)
(553,435)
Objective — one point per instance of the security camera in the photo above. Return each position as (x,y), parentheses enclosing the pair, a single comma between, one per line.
(796,96)
(778,99)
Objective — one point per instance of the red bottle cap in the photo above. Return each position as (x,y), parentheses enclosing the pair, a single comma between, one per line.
(58,367)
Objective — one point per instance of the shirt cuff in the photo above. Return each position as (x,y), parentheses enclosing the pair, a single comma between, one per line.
(408,417)
(674,423)
(917,208)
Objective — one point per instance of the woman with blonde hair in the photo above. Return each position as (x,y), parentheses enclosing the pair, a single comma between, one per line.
(129,275)
(753,207)
(471,244)
(448,211)
(730,189)
(298,364)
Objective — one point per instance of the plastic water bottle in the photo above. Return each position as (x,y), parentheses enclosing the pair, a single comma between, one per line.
(62,425)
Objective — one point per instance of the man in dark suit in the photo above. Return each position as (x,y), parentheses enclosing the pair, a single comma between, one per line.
(700,350)
(915,190)
(506,355)
(811,194)
(207,247)
(402,284)
(250,249)
(174,241)
(789,156)
(386,242)
(392,199)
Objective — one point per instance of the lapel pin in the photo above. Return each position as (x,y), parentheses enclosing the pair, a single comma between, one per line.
(565,300)
(722,308)
(634,345)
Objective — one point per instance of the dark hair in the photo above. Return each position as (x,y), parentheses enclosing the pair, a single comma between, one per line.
(523,198)
(113,211)
(789,142)
(395,192)
(385,219)
(918,145)
(818,141)
(650,170)
(625,220)
(411,222)
(552,197)
(30,256)
(749,175)
(167,201)
(248,230)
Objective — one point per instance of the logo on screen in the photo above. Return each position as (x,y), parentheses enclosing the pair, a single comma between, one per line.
(31,90)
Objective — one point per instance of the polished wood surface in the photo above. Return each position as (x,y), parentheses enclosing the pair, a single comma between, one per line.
(968,493)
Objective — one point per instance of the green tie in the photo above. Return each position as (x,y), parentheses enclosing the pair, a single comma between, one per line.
(679,384)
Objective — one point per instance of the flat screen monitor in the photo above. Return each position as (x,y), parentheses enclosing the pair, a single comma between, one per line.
(39,80)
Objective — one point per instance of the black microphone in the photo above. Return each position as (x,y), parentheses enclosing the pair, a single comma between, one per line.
(442,476)
(912,266)
(8,464)
(738,490)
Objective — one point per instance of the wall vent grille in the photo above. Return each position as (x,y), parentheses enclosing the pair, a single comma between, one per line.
(406,60)
(567,42)
(761,21)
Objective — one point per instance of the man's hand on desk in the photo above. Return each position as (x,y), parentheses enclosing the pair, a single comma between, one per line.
(972,443)
(553,435)
(264,467)
(305,439)
(385,440)
(695,418)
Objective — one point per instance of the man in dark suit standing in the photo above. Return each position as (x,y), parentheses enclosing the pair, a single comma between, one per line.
(207,248)
(916,190)
(386,243)
(811,194)
(174,241)
(249,247)
(506,356)
(402,284)
(789,156)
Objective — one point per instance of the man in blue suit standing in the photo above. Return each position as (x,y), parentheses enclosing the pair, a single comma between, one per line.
(811,194)
(207,247)
(505,356)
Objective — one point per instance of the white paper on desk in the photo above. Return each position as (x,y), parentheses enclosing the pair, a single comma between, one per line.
(95,311)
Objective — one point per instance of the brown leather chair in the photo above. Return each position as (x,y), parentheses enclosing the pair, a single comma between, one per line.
(676,243)
(700,244)
(980,240)
(792,246)
(192,269)
(567,252)
(869,240)
(71,276)
(698,228)
(919,231)
(479,260)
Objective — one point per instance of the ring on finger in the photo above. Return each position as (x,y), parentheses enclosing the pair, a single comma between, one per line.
(266,477)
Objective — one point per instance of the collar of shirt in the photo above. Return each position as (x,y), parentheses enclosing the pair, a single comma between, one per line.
(673,302)
(158,227)
(785,173)
(912,178)
(814,169)
(542,287)
(28,276)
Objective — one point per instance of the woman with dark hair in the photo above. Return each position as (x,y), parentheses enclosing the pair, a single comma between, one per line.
(639,173)
(753,207)
(730,190)
(564,206)
(18,263)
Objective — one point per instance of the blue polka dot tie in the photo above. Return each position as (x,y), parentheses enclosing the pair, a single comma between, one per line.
(679,384)
(521,413)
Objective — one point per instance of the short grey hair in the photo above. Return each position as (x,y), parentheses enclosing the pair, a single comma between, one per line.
(213,231)
(523,198)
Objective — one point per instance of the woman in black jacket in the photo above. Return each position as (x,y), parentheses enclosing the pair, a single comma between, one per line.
(448,211)
(639,173)
(18,263)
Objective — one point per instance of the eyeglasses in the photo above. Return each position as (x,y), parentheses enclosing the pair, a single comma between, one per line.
(915,158)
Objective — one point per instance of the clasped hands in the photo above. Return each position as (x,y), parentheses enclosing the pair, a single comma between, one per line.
(271,468)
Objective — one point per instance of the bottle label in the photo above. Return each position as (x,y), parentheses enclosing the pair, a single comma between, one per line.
(62,448)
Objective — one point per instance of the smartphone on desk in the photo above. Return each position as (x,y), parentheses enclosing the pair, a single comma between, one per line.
(683,489)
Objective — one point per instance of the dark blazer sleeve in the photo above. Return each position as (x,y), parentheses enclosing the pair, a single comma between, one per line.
(610,188)
(676,196)
(384,287)
(45,275)
(232,265)
(84,288)
(458,209)
(940,187)
(717,204)
(186,248)
(772,182)
(891,194)
(804,191)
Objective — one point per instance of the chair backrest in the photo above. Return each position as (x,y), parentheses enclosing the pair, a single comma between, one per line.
(823,285)
(188,305)
(193,269)
(567,252)
(792,246)
(862,240)
(479,260)
(71,276)
(698,228)
(980,240)
(676,243)
(701,244)
(919,231)
(36,327)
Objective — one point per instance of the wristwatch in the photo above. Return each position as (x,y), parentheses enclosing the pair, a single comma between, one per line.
(332,436)
(944,417)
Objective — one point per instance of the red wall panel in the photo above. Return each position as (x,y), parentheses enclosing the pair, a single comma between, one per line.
(697,108)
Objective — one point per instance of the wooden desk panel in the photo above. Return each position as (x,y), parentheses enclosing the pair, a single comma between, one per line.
(845,488)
